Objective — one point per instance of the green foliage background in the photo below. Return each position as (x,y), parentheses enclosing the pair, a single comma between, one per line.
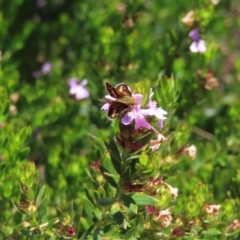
(113,41)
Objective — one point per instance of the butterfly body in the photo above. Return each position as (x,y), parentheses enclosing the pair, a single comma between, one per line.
(121,100)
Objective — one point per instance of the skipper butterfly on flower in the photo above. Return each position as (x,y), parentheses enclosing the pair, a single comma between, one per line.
(122,102)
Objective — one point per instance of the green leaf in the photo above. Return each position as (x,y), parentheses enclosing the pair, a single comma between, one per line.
(3,104)
(88,206)
(24,152)
(108,178)
(127,200)
(212,232)
(96,234)
(106,201)
(86,233)
(78,213)
(30,194)
(98,214)
(129,233)
(133,208)
(143,159)
(89,195)
(117,165)
(113,150)
(40,195)
(118,217)
(141,199)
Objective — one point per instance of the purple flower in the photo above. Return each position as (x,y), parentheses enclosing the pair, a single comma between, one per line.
(46,67)
(78,89)
(198,44)
(36,74)
(139,115)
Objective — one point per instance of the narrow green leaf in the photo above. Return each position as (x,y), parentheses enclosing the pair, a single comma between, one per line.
(96,234)
(86,233)
(113,149)
(88,206)
(40,195)
(108,178)
(212,232)
(98,214)
(117,165)
(106,201)
(129,233)
(141,199)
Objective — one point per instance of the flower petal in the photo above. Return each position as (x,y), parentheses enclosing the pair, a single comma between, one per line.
(141,122)
(194,47)
(81,93)
(139,98)
(127,119)
(72,82)
(195,35)
(202,46)
(84,82)
(105,107)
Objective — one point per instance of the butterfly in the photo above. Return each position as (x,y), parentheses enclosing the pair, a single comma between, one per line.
(122,102)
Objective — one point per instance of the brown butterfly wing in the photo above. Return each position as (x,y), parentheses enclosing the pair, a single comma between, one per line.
(123,88)
(116,110)
(119,91)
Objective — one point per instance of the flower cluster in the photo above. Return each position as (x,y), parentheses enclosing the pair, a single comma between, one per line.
(211,210)
(162,216)
(46,68)
(140,115)
(78,90)
(198,44)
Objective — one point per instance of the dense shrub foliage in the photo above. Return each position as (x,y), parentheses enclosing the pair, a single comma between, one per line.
(68,171)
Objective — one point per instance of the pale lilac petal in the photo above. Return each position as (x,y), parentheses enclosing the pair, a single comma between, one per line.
(151,104)
(105,107)
(127,119)
(160,113)
(73,90)
(81,93)
(160,123)
(148,111)
(78,90)
(141,122)
(46,67)
(139,98)
(202,46)
(110,97)
(194,47)
(84,82)
(72,82)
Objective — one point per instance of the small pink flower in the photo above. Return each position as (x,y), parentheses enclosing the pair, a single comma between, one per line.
(212,210)
(78,90)
(192,151)
(173,191)
(155,144)
(46,67)
(198,44)
(138,114)
(234,225)
(164,217)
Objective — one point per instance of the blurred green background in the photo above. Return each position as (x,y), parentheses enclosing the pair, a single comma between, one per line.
(119,41)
